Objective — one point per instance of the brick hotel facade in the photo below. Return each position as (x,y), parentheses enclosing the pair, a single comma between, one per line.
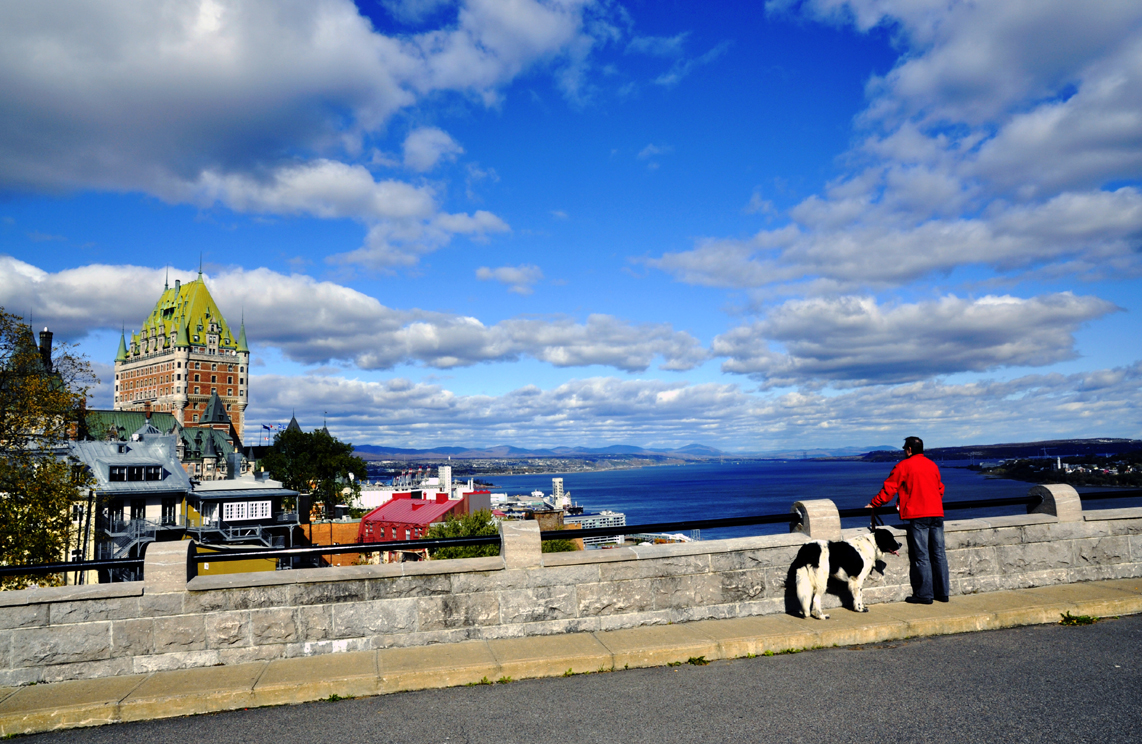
(184,354)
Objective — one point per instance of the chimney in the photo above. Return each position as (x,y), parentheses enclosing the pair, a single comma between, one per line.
(46,348)
(147,410)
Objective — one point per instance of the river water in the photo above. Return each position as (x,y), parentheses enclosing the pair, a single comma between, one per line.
(710,490)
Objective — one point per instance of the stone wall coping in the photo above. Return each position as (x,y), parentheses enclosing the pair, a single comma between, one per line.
(673,550)
(989,523)
(344,573)
(49,594)
(1129,512)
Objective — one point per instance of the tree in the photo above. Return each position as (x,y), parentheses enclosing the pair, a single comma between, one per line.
(40,400)
(475,524)
(315,462)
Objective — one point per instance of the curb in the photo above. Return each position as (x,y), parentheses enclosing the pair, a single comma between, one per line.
(167,694)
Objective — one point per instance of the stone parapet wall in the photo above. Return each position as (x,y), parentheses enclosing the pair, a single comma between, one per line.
(168,622)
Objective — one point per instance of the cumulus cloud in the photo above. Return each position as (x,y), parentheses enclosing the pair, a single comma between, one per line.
(258,105)
(853,340)
(315,322)
(607,410)
(519,278)
(1006,136)
(424,148)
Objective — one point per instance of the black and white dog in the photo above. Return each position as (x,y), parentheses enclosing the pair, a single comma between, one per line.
(848,560)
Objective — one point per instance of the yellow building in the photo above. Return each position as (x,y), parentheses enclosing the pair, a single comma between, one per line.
(184,353)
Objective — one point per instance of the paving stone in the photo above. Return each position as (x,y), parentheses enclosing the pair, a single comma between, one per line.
(657,644)
(65,705)
(550,656)
(188,691)
(446,665)
(299,680)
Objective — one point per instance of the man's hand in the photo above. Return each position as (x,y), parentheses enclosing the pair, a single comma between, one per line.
(869,506)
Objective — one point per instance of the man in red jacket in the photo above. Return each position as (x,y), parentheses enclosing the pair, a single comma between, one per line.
(915,481)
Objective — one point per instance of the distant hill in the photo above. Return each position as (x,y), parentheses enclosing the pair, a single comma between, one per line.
(694,451)
(505,451)
(1046,448)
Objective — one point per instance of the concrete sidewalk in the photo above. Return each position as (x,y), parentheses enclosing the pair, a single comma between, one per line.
(183,692)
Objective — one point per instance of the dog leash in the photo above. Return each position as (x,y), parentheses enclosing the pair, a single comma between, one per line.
(875,521)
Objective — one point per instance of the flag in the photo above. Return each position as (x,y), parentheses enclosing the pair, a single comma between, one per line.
(267,427)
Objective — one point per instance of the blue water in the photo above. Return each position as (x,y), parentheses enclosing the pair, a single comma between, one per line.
(712,490)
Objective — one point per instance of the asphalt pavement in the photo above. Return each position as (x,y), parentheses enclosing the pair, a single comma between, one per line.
(1043,683)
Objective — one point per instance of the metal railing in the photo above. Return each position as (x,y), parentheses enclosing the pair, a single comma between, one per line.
(238,554)
(44,569)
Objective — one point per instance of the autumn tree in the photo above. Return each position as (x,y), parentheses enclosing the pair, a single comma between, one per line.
(41,398)
(315,462)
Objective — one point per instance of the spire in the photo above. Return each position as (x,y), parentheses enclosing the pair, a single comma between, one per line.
(167,281)
(200,266)
(122,355)
(293,425)
(182,338)
(242,346)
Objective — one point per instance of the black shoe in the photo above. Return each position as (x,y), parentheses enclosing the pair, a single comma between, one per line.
(917,600)
(941,599)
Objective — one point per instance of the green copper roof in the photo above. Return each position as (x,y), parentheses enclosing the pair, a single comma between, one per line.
(187,310)
(242,338)
(122,355)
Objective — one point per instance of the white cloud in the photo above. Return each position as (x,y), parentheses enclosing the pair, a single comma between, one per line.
(683,67)
(1002,138)
(519,278)
(315,322)
(659,46)
(652,149)
(607,410)
(426,147)
(185,100)
(853,340)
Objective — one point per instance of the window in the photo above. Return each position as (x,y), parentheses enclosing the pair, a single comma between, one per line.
(134,472)
(196,378)
(118,473)
(214,378)
(196,393)
(169,511)
(138,509)
(154,472)
(236,511)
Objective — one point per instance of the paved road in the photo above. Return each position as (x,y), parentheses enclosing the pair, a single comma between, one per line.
(1034,684)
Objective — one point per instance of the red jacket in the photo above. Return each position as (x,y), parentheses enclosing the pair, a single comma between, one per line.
(916,480)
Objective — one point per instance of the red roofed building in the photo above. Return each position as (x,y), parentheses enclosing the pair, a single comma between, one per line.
(406,518)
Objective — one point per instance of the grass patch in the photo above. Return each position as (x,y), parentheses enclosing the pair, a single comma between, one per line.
(697,661)
(1069,619)
(503,680)
(335,697)
(483,681)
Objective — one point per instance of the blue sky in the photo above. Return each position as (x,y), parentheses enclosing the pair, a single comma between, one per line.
(755,226)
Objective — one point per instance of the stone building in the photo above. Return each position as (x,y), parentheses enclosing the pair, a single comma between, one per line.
(183,356)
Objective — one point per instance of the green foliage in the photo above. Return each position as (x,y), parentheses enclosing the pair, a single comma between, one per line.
(1069,619)
(475,524)
(37,483)
(698,661)
(559,546)
(317,463)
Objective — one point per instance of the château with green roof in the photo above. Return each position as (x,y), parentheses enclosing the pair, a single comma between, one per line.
(183,353)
